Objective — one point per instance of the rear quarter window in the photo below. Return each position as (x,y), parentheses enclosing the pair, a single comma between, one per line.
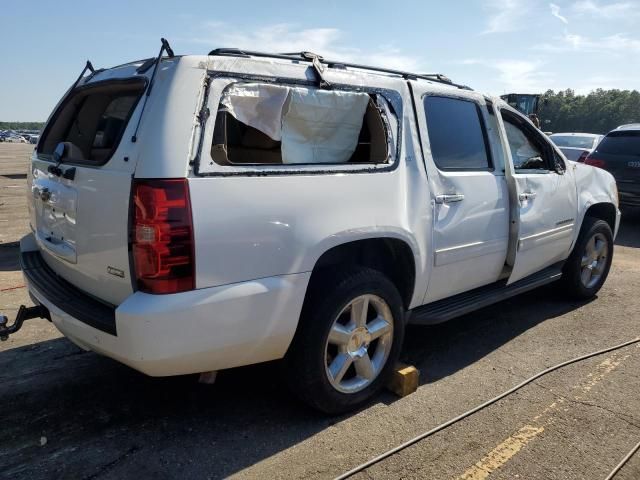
(277,125)
(92,119)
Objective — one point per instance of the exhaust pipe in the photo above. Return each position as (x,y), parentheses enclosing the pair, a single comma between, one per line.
(24,313)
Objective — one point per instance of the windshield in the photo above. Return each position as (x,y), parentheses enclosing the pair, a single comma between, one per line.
(621,143)
(573,141)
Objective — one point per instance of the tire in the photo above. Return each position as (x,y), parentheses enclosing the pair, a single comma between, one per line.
(575,277)
(337,298)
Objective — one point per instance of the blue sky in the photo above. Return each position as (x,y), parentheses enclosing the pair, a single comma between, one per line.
(495,46)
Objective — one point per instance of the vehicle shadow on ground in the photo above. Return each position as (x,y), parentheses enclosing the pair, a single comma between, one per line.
(441,350)
(103,419)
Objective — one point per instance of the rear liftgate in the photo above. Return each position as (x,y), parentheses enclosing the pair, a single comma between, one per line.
(40,311)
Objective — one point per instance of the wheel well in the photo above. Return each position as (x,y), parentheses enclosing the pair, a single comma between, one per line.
(603,211)
(390,256)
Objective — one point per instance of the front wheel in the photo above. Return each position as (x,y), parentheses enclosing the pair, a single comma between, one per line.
(588,265)
(348,340)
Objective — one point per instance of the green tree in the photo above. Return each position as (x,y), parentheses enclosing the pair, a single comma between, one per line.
(598,112)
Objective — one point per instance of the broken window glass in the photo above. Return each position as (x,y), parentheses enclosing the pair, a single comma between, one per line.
(261,124)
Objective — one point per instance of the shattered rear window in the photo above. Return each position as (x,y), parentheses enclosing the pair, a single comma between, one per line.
(265,124)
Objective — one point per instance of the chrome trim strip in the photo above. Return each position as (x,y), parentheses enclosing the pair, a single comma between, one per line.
(547,236)
(445,256)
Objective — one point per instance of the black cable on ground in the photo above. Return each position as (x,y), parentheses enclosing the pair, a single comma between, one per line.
(623,462)
(448,423)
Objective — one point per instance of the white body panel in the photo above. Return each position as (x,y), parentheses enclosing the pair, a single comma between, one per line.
(259,231)
(547,221)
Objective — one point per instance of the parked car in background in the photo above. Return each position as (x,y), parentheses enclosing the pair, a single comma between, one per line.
(619,154)
(576,146)
(15,139)
(259,232)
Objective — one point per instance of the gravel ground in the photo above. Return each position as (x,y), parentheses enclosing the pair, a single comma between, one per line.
(66,413)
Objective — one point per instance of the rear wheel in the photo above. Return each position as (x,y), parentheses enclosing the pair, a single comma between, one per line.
(348,340)
(588,265)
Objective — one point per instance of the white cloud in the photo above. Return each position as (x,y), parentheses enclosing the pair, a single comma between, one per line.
(505,15)
(279,38)
(555,11)
(522,76)
(608,11)
(616,44)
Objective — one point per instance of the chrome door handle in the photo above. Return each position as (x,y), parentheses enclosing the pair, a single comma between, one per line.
(527,196)
(449,198)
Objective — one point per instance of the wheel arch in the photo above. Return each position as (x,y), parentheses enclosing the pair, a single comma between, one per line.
(390,255)
(604,211)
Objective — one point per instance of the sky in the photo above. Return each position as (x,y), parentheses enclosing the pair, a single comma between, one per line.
(494,46)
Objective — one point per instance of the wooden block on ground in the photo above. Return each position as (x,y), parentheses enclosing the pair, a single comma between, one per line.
(404,380)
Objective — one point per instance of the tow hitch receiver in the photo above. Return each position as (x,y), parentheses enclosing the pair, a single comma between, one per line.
(24,313)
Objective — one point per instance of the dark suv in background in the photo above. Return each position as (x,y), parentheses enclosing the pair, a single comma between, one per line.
(619,154)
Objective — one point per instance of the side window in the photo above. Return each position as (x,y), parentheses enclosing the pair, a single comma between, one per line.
(528,151)
(456,134)
(264,124)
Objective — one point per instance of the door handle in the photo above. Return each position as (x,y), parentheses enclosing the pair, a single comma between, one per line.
(527,196)
(449,198)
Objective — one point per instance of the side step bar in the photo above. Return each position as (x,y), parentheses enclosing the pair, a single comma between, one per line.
(448,308)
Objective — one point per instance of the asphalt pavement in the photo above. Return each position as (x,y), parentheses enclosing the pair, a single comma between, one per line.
(66,413)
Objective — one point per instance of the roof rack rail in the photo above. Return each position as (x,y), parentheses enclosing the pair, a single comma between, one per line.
(304,57)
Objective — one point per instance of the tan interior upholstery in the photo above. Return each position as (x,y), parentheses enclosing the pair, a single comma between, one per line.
(377,134)
(79,118)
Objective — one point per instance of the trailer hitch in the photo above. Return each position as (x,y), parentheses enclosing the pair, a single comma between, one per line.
(24,313)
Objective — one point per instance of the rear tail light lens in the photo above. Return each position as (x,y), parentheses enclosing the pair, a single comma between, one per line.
(162,236)
(595,162)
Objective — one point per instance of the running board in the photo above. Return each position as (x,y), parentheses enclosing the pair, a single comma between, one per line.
(448,308)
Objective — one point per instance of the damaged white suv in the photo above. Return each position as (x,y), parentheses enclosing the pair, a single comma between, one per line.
(198,213)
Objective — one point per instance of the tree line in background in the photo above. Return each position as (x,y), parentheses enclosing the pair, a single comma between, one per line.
(21,125)
(598,112)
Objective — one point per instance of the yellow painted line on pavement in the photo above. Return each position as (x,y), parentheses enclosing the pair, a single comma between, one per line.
(502,453)
(512,445)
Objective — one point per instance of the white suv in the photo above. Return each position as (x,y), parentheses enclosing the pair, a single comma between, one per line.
(252,207)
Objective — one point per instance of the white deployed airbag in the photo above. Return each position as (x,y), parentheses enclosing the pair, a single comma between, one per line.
(257,105)
(321,126)
(314,126)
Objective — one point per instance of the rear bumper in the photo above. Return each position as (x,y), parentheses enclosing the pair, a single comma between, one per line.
(197,331)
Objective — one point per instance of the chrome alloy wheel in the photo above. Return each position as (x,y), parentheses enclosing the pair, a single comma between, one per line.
(594,260)
(359,343)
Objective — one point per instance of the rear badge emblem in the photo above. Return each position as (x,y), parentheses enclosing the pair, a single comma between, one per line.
(115,271)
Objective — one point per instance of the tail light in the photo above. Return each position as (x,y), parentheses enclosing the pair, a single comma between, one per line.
(595,162)
(583,156)
(162,236)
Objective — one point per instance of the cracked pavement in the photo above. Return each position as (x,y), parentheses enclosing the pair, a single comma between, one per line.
(66,413)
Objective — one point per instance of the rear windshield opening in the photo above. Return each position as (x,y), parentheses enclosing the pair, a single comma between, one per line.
(278,125)
(92,120)
(621,143)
